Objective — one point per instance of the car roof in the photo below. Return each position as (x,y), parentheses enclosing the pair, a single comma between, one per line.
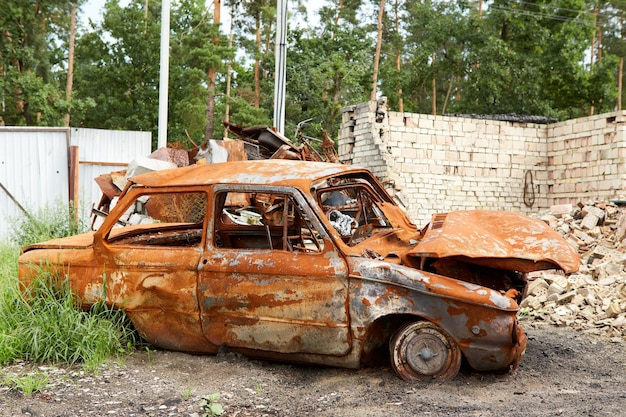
(266,171)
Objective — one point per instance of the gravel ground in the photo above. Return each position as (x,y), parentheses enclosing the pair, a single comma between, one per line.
(564,372)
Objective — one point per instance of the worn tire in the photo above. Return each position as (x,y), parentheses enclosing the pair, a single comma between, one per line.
(423,351)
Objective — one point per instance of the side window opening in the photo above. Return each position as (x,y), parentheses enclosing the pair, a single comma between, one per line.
(162,219)
(274,221)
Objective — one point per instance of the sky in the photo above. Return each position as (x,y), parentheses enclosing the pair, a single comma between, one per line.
(91,10)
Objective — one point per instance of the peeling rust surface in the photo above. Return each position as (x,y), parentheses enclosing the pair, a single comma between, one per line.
(308,262)
(497,238)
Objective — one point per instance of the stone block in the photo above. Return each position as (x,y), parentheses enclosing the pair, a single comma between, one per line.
(596,211)
(578,300)
(606,282)
(562,311)
(613,310)
(561,209)
(537,287)
(589,221)
(565,298)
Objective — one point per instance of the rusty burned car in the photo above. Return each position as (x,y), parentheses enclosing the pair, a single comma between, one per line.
(307,262)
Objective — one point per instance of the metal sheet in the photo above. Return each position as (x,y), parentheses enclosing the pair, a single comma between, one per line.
(496,238)
(100,152)
(34,168)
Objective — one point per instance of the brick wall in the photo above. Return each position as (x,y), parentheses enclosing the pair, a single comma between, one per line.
(586,158)
(442,163)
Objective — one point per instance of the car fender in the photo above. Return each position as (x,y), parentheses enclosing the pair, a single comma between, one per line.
(482,321)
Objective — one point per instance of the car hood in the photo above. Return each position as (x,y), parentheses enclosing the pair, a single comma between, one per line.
(498,239)
(81,241)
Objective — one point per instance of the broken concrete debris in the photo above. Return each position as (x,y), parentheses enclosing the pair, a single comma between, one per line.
(594,298)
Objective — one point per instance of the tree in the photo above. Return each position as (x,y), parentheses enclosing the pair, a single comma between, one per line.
(211,74)
(379,41)
(613,18)
(31,52)
(70,59)
(433,56)
(197,48)
(328,68)
(117,65)
(521,57)
(436,50)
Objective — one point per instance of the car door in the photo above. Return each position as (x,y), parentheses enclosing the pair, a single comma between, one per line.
(149,249)
(271,279)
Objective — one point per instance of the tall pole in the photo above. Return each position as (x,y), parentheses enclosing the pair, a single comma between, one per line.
(281,66)
(164,73)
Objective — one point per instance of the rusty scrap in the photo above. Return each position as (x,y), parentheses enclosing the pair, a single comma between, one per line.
(309,262)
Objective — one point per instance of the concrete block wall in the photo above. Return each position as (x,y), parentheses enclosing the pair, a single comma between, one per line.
(363,137)
(586,158)
(440,163)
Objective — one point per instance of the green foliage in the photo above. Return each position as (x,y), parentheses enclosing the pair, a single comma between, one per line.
(47,223)
(210,407)
(186,392)
(28,383)
(29,87)
(45,323)
(117,66)
(8,263)
(326,72)
(521,57)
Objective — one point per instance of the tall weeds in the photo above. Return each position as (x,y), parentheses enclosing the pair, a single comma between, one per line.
(47,223)
(45,323)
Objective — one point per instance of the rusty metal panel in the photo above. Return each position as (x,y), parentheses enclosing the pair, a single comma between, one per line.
(33,169)
(498,238)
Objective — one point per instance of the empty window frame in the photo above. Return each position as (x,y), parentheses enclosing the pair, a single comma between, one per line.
(263,220)
(162,219)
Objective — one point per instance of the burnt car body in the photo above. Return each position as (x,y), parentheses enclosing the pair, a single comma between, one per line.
(307,262)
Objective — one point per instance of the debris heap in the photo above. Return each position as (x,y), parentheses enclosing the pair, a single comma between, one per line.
(594,298)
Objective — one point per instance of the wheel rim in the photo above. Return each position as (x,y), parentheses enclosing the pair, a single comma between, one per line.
(422,350)
(426,353)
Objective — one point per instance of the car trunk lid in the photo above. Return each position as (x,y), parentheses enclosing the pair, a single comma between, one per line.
(80,241)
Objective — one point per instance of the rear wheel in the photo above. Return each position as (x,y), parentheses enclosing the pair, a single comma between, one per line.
(422,350)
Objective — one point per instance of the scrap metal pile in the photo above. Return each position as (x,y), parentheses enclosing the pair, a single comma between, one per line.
(594,298)
(259,142)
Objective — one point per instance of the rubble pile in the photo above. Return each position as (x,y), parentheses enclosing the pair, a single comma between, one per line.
(594,298)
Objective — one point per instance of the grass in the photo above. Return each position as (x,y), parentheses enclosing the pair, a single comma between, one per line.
(47,223)
(45,324)
(27,383)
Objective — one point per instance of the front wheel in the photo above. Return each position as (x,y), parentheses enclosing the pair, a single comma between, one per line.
(422,351)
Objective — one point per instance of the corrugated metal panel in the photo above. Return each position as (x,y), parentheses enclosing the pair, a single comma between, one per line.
(103,151)
(34,169)
(34,166)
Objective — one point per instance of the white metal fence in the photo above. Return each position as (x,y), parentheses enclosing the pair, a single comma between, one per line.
(35,166)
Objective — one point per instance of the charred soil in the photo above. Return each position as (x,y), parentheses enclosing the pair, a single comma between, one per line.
(564,372)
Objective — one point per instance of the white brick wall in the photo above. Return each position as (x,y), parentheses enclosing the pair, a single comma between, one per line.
(442,163)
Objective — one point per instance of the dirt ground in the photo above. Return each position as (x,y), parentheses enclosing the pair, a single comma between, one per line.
(564,372)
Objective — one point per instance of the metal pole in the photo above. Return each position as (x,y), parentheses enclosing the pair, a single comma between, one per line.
(164,73)
(281,66)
